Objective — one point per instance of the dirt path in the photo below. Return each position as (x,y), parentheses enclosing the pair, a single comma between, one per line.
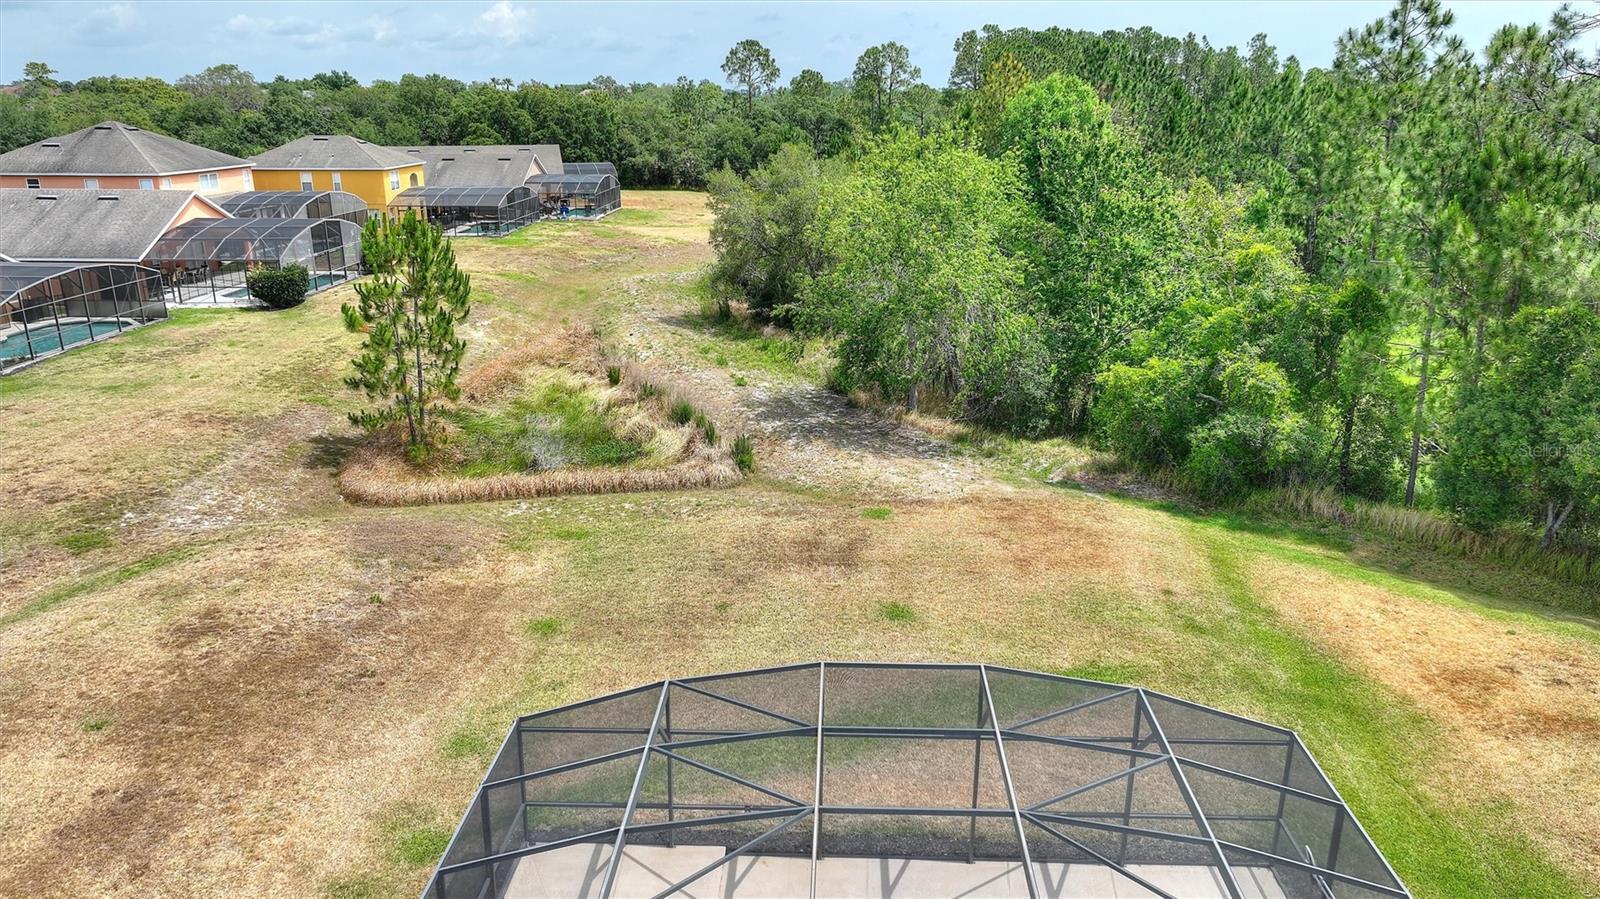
(805,434)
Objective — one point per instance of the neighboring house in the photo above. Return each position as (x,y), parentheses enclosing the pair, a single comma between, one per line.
(490,165)
(114,156)
(93,225)
(374,173)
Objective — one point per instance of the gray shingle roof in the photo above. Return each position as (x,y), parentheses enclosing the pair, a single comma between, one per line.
(485,166)
(80,225)
(112,148)
(331,151)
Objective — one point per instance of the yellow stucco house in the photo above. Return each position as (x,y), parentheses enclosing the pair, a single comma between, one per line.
(374,173)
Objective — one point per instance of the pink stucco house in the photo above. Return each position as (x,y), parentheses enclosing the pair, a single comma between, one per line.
(115,156)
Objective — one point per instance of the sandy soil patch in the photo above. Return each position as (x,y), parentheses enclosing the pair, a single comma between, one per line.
(1522,706)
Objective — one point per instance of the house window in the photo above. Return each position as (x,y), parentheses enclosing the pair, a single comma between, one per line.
(166,183)
(338,181)
(210,181)
(305,180)
(394,179)
(249,180)
(91,184)
(413,179)
(147,184)
(33,183)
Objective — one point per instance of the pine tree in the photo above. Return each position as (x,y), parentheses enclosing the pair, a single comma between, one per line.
(408,312)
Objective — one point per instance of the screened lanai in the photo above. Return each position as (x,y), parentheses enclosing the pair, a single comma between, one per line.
(581,196)
(205,260)
(472,210)
(588,168)
(297,204)
(847,780)
(46,308)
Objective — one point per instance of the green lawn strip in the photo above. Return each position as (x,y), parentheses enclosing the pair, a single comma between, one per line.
(100,580)
(1374,745)
(557,424)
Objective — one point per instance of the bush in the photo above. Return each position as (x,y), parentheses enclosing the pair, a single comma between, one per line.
(278,288)
(744,453)
(614,375)
(681,412)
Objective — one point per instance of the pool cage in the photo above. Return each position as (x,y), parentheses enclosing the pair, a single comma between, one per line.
(205,260)
(297,204)
(577,196)
(46,308)
(850,779)
(588,168)
(469,211)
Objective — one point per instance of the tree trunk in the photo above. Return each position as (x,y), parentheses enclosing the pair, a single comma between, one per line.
(912,397)
(416,342)
(1421,411)
(1346,429)
(1553,522)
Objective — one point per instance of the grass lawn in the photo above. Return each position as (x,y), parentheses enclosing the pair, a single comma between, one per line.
(217,678)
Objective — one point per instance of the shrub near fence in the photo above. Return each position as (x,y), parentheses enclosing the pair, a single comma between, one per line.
(278,288)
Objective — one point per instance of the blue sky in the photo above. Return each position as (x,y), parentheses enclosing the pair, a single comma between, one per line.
(562,42)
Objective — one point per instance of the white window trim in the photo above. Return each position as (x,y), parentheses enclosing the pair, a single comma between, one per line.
(305,181)
(32,183)
(91,184)
(210,181)
(147,184)
(394,179)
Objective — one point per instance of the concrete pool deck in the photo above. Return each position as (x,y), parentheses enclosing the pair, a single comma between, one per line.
(576,872)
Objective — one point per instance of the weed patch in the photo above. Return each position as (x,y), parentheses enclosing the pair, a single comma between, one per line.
(896,611)
(876,513)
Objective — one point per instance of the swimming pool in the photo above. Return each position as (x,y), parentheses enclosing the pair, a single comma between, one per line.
(45,338)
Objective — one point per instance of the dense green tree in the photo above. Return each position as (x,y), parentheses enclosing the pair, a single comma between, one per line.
(766,232)
(882,74)
(1527,446)
(750,65)
(407,315)
(924,287)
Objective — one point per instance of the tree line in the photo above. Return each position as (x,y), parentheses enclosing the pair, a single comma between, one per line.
(1380,278)
(658,135)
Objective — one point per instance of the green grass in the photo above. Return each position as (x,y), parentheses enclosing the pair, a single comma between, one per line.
(421,846)
(84,541)
(559,424)
(98,581)
(94,724)
(468,741)
(545,627)
(877,513)
(1372,743)
(1126,673)
(896,611)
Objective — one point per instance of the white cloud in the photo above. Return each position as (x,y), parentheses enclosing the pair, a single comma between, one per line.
(298,31)
(506,20)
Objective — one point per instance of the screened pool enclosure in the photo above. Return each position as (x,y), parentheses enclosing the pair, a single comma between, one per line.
(206,259)
(471,211)
(588,168)
(847,780)
(46,308)
(577,196)
(297,204)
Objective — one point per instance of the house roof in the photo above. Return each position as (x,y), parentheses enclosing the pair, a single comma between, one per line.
(88,225)
(332,151)
(112,148)
(486,165)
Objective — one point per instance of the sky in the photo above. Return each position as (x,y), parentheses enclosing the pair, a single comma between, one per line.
(570,42)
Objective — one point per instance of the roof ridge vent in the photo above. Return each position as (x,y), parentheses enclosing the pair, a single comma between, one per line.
(103,128)
(44,196)
(111,197)
(52,143)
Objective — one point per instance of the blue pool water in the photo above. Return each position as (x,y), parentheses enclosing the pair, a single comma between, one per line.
(46,339)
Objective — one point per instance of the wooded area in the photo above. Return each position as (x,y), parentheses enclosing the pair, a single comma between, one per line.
(1381,278)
